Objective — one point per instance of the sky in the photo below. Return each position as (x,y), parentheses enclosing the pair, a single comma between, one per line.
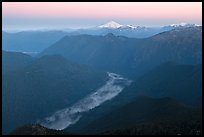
(55,15)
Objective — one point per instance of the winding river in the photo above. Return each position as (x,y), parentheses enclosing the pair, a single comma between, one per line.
(65,117)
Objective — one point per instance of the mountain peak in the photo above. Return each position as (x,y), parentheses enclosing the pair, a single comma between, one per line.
(131,26)
(183,24)
(111,24)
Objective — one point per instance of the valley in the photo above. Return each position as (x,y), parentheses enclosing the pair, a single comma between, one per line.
(65,117)
(102,68)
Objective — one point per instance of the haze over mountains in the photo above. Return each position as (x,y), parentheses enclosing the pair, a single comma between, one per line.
(131,56)
(36,41)
(110,79)
(30,41)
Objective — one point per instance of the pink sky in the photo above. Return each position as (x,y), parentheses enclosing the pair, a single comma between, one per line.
(183,10)
(86,14)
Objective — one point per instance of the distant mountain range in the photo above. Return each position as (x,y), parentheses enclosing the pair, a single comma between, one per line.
(131,56)
(131,30)
(115,25)
(30,41)
(35,41)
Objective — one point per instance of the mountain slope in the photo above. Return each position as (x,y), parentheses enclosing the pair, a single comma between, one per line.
(128,56)
(35,129)
(171,79)
(102,52)
(47,84)
(143,111)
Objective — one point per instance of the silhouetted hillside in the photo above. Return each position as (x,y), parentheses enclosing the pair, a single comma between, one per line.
(44,86)
(36,129)
(14,60)
(148,116)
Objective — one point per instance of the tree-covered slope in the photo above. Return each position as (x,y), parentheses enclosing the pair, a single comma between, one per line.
(145,113)
(14,60)
(42,87)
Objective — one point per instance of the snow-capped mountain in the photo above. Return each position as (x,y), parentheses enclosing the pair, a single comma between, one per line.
(130,30)
(115,25)
(183,24)
(131,26)
(178,26)
(111,25)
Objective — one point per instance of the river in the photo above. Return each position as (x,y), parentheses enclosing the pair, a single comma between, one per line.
(68,116)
